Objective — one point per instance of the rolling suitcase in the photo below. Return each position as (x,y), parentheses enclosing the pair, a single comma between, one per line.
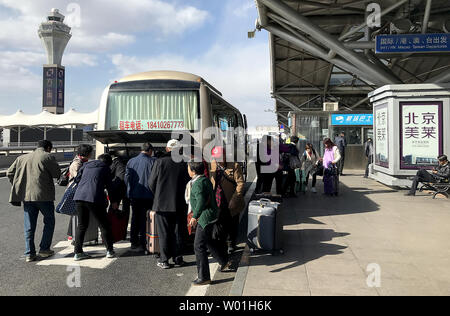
(91,236)
(330,181)
(265,226)
(152,246)
(119,224)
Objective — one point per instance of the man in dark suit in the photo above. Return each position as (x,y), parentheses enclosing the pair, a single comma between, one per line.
(168,183)
(341,143)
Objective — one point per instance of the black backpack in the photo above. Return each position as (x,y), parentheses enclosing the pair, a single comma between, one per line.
(64,178)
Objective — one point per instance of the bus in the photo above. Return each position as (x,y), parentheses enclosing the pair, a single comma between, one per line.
(150,106)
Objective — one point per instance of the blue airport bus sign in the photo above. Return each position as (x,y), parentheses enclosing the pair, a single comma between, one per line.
(351,119)
(413,43)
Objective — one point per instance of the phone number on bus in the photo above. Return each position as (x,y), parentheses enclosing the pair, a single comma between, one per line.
(145,125)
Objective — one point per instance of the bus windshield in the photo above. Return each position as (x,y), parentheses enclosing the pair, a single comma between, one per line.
(152,110)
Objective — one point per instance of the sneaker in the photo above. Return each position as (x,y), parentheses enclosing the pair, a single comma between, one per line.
(30,258)
(46,253)
(110,254)
(226,267)
(81,256)
(313,190)
(163,265)
(199,282)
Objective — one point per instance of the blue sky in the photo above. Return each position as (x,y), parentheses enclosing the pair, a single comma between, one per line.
(114,38)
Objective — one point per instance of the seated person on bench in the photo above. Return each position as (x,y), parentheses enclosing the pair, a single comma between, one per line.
(439,174)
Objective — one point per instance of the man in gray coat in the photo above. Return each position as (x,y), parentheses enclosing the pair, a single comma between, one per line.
(31,176)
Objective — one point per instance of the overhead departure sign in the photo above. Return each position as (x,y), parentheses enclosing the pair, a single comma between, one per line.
(413,43)
(351,119)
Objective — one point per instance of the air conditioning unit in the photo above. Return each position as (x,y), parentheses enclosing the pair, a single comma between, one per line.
(331,106)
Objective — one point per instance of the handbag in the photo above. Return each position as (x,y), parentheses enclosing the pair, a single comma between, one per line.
(294,162)
(67,205)
(319,169)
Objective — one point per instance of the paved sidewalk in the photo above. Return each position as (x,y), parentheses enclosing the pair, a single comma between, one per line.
(330,241)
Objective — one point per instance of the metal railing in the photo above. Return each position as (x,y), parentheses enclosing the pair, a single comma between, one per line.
(7,151)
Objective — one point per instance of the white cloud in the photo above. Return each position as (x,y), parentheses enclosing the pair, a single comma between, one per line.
(80,60)
(104,24)
(240,72)
(243,9)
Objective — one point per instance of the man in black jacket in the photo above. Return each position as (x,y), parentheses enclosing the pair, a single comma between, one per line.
(168,184)
(441,173)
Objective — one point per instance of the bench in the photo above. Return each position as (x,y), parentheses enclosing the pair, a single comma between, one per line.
(437,188)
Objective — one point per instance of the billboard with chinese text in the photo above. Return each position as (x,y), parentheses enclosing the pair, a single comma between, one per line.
(421,134)
(381,135)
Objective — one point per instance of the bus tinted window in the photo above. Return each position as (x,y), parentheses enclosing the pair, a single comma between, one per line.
(152,110)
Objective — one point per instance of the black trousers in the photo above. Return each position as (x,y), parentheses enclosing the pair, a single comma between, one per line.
(421,176)
(84,211)
(314,179)
(341,163)
(203,241)
(171,228)
(268,181)
(139,221)
(289,185)
(230,224)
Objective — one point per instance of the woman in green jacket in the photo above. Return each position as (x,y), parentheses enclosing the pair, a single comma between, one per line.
(205,213)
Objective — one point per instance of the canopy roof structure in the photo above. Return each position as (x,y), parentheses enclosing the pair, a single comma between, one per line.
(48,119)
(324,51)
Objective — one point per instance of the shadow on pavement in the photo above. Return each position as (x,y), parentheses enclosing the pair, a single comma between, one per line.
(304,245)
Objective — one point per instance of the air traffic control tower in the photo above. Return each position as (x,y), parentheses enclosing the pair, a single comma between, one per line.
(55,35)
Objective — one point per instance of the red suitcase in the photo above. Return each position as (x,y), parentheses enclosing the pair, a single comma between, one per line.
(152,234)
(119,224)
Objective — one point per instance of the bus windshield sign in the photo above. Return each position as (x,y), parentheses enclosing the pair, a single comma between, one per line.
(151,125)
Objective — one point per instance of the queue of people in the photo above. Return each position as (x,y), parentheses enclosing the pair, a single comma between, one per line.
(297,164)
(146,182)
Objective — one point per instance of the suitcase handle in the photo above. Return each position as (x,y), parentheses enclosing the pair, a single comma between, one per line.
(264,202)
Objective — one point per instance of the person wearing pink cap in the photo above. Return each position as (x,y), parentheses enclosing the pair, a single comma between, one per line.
(228,182)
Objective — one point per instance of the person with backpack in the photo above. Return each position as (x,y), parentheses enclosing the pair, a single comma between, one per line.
(31,176)
(290,161)
(90,198)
